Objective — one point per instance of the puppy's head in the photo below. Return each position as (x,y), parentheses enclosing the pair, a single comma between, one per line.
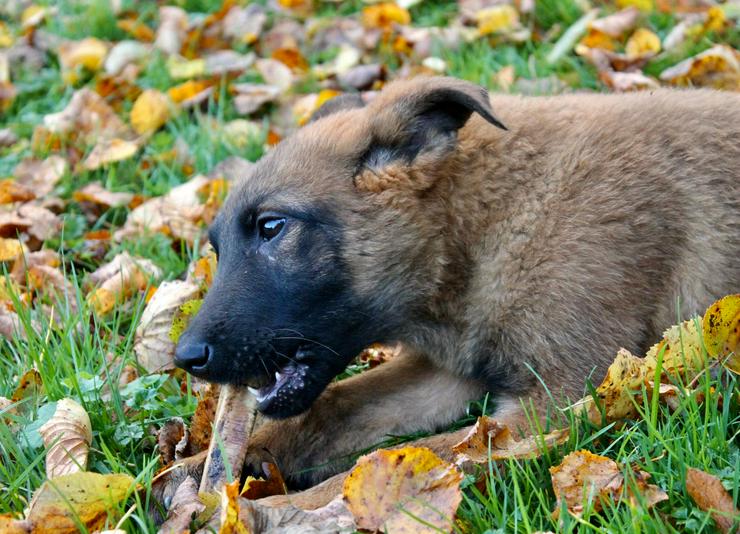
(326,246)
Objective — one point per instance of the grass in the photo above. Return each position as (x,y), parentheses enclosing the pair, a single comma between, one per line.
(81,355)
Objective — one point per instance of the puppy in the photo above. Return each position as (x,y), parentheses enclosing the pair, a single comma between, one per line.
(510,245)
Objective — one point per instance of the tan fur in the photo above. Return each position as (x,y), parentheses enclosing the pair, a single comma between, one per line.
(520,258)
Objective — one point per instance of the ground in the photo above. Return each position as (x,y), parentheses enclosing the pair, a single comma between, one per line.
(84,350)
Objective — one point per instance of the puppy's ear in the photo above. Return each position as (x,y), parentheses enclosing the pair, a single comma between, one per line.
(338,103)
(415,125)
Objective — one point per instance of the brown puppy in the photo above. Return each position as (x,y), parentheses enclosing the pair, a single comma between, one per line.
(503,259)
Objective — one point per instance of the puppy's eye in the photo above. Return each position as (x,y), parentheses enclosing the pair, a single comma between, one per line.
(270,227)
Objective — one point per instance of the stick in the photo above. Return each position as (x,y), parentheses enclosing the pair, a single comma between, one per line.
(233,426)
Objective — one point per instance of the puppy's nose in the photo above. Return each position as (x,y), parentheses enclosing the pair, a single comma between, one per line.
(192,355)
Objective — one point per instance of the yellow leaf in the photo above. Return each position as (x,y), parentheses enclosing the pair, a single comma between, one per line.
(642,5)
(88,53)
(182,69)
(89,498)
(188,90)
(109,151)
(33,15)
(230,523)
(118,279)
(405,490)
(496,19)
(11,249)
(718,67)
(721,330)
(490,440)
(682,351)
(6,38)
(68,435)
(642,43)
(584,477)
(273,484)
(385,15)
(150,111)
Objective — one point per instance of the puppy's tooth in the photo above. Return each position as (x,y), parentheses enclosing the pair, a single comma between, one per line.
(254,391)
(278,376)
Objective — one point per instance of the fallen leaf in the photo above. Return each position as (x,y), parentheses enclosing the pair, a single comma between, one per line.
(201,424)
(117,280)
(230,522)
(125,53)
(584,477)
(627,81)
(151,110)
(490,440)
(496,19)
(172,441)
(244,24)
(334,518)
(617,24)
(272,484)
(710,495)
(88,53)
(249,97)
(718,67)
(11,249)
(384,15)
(96,195)
(29,388)
(721,330)
(137,29)
(403,490)
(171,33)
(12,191)
(153,344)
(67,436)
(184,508)
(191,92)
(33,223)
(88,498)
(227,62)
(41,176)
(275,73)
(109,151)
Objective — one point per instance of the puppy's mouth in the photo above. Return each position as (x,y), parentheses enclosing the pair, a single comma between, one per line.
(288,382)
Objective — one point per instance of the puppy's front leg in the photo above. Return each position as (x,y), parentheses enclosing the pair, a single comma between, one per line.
(405,395)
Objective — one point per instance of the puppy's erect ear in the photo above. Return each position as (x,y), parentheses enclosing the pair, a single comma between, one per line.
(415,125)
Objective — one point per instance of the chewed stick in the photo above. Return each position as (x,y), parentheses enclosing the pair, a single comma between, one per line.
(232,428)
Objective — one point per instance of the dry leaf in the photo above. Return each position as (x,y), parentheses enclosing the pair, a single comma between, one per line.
(191,92)
(120,278)
(490,440)
(384,15)
(249,97)
(11,249)
(201,425)
(173,23)
(334,518)
(711,496)
(88,53)
(497,19)
(151,110)
(403,490)
(584,477)
(172,440)
(617,24)
(89,498)
(12,191)
(67,436)
(41,176)
(718,67)
(88,118)
(275,73)
(153,345)
(185,507)
(109,151)
(627,81)
(721,330)
(34,224)
(27,392)
(230,522)
(123,54)
(96,195)
(272,484)
(642,43)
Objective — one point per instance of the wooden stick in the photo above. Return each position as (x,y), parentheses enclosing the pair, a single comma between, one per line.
(233,426)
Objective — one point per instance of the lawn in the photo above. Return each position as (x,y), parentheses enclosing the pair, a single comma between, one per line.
(201,113)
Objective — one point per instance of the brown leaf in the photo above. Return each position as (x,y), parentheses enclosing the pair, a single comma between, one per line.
(718,67)
(273,484)
(109,151)
(95,195)
(403,490)
(617,24)
(173,23)
(172,440)
(88,53)
(230,522)
(334,518)
(201,425)
(89,498)
(12,191)
(88,118)
(627,81)
(489,440)
(249,97)
(34,223)
(586,477)
(711,496)
(120,278)
(185,507)
(67,436)
(153,345)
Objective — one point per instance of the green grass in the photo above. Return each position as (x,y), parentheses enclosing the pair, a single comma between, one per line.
(81,355)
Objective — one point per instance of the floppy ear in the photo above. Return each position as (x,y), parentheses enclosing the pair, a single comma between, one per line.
(415,122)
(338,103)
